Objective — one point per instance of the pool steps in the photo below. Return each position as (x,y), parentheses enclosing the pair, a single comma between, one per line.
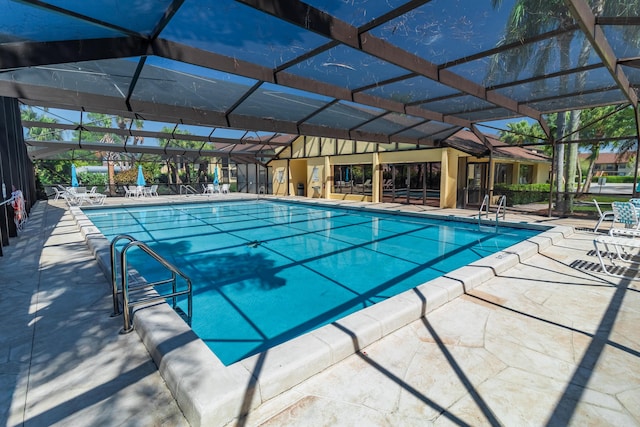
(212,394)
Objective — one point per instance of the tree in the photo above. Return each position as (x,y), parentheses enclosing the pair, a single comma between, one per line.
(529,18)
(110,157)
(174,163)
(600,123)
(523,132)
(48,171)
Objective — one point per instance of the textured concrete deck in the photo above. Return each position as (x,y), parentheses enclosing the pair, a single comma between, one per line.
(548,342)
(62,360)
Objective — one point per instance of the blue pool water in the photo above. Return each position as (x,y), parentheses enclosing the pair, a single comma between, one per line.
(264,272)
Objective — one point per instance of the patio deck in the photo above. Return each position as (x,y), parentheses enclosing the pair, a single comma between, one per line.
(551,341)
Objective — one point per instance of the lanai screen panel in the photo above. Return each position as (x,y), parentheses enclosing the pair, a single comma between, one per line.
(339,66)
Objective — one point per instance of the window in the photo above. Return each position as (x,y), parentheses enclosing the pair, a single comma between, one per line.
(352,179)
(503,173)
(526,174)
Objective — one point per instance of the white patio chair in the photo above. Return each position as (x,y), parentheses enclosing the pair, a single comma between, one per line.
(625,213)
(151,191)
(604,216)
(622,252)
(224,189)
(129,190)
(58,193)
(207,188)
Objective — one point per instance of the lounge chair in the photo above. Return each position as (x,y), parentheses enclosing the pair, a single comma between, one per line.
(604,216)
(225,189)
(635,202)
(58,193)
(622,252)
(625,213)
(66,195)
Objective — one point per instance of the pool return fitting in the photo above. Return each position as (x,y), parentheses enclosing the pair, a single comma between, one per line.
(149,287)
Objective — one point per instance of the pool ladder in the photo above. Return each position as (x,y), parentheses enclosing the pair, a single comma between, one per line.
(125,289)
(187,189)
(484,208)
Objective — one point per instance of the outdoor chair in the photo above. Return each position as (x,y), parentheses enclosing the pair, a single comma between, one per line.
(625,213)
(604,216)
(225,189)
(151,191)
(129,191)
(58,193)
(70,197)
(622,253)
(635,202)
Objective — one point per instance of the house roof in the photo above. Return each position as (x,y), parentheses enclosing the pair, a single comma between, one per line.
(469,143)
(609,158)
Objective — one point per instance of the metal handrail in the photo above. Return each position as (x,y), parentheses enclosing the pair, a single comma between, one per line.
(502,203)
(114,280)
(126,303)
(485,206)
(188,189)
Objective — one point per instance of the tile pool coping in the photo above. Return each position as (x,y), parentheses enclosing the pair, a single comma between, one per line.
(210,393)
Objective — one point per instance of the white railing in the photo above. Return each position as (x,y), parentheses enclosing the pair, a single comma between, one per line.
(500,211)
(502,207)
(187,189)
(484,208)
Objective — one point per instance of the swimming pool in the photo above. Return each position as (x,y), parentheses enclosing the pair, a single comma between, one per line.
(264,272)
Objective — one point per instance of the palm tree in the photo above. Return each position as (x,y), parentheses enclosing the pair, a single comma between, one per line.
(603,122)
(529,18)
(523,132)
(173,173)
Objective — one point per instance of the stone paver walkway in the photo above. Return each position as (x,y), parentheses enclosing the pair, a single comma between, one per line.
(62,360)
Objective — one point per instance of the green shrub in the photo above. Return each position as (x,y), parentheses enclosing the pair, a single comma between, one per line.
(91,179)
(129,177)
(519,194)
(614,179)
